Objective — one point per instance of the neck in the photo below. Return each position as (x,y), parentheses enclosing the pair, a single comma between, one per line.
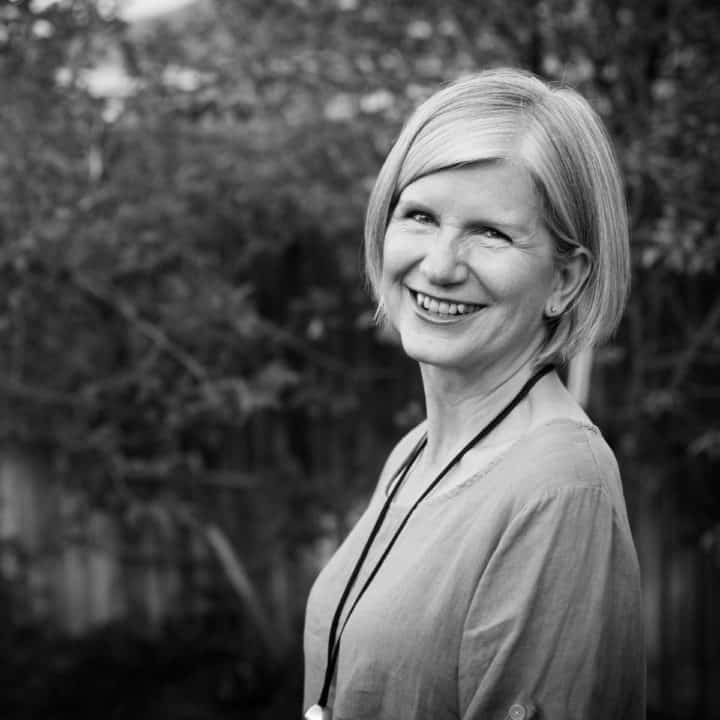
(457,409)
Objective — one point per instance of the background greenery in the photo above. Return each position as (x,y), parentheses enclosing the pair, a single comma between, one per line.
(180,264)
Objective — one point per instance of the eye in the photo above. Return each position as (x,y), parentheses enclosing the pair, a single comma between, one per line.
(489,233)
(419,216)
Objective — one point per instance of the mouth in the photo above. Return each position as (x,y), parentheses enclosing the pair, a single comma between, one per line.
(443,309)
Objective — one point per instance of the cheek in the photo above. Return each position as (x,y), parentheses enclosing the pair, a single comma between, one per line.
(533,295)
(399,254)
(527,287)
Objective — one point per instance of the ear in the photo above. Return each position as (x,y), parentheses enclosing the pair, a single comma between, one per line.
(570,276)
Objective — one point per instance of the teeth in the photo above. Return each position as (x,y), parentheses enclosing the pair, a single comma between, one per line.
(442,307)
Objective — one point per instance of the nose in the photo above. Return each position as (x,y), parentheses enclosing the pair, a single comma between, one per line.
(442,264)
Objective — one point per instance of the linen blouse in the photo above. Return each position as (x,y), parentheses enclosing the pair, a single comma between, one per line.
(512,594)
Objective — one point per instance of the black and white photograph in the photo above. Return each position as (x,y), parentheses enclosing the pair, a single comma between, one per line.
(360,359)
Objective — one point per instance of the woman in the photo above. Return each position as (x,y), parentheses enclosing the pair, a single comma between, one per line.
(493,574)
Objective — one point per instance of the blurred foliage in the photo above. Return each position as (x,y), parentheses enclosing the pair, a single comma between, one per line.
(193,670)
(180,253)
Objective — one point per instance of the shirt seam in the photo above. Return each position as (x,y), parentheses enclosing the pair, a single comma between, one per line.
(549,494)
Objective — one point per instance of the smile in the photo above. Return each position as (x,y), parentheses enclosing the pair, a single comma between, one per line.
(443,308)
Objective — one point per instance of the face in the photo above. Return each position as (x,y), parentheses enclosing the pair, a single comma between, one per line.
(468,268)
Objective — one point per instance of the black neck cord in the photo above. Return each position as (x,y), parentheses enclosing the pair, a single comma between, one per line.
(334,636)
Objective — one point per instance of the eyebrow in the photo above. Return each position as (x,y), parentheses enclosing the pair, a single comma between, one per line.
(513,227)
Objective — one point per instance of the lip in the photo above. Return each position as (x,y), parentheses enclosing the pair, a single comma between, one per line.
(437,318)
(456,301)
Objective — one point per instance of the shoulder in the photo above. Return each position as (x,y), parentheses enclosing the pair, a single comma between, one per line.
(574,449)
(561,499)
(561,458)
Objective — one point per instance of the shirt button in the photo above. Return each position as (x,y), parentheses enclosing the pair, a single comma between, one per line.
(517,712)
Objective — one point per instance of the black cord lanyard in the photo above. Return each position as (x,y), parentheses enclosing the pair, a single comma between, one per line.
(318,711)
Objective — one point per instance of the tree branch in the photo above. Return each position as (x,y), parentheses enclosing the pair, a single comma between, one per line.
(120,379)
(152,332)
(40,394)
(319,358)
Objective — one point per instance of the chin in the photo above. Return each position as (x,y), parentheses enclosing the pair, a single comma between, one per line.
(431,352)
(465,357)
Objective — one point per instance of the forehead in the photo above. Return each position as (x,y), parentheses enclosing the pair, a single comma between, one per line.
(498,190)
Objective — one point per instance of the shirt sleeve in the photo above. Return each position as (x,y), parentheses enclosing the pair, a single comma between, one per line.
(554,628)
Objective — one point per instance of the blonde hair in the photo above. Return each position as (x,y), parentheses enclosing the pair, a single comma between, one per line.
(511,115)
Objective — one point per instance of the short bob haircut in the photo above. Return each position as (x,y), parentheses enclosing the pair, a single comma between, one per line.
(511,115)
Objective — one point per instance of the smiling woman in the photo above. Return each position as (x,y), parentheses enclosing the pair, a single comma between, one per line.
(473,236)
(493,574)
